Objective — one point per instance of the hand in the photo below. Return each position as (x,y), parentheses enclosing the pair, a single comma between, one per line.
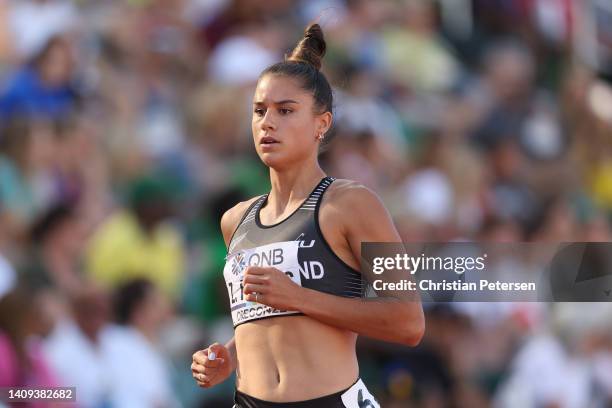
(271,287)
(208,372)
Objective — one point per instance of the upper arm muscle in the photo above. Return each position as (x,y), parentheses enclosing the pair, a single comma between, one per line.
(352,214)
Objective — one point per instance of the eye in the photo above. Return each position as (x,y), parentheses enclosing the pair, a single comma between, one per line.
(284,111)
(259,112)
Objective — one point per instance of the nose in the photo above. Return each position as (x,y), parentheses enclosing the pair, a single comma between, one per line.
(268,122)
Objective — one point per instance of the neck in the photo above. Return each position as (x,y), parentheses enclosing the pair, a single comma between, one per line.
(292,185)
(92,336)
(150,333)
(146,224)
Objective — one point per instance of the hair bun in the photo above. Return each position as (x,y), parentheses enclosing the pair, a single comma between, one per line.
(311,47)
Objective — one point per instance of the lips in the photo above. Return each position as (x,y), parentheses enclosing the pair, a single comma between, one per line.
(268,140)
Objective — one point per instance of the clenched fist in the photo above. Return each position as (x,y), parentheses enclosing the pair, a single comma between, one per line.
(272,287)
(212,365)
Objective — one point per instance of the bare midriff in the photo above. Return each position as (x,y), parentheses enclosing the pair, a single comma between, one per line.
(294,358)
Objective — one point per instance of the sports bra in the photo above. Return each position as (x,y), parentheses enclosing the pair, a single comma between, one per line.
(295,246)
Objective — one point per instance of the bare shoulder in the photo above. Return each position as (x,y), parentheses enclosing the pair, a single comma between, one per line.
(359,212)
(231,218)
(352,196)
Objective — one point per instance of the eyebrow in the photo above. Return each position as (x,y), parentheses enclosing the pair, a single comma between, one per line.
(283,102)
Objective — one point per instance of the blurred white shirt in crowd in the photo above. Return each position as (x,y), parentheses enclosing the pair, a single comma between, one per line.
(123,370)
(7,276)
(239,60)
(543,374)
(33,23)
(139,371)
(80,363)
(429,196)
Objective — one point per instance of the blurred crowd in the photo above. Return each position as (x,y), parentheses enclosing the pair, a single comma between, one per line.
(125,135)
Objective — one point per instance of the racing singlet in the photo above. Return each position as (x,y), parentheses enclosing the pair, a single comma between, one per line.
(295,246)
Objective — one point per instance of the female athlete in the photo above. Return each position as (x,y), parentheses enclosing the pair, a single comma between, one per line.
(293,259)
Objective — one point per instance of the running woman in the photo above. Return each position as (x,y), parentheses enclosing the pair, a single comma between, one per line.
(292,270)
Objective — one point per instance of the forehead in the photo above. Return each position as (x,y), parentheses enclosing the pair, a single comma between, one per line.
(272,88)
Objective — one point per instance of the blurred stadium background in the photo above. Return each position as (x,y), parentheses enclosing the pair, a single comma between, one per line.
(125,134)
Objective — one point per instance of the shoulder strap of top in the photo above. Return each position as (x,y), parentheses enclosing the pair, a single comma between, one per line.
(312,201)
(250,214)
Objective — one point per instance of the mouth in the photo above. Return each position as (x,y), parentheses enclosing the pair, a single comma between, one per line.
(268,140)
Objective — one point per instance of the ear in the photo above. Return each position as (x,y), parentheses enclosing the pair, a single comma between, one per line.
(324,122)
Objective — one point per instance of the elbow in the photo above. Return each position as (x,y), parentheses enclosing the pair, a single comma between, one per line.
(414,336)
(413,330)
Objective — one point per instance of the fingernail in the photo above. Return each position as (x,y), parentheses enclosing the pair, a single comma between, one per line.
(212,356)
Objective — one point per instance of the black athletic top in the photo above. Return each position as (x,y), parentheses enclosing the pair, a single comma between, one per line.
(296,247)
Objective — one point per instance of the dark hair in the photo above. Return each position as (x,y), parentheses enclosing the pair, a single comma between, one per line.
(304,64)
(49,221)
(15,135)
(41,56)
(129,297)
(17,309)
(17,132)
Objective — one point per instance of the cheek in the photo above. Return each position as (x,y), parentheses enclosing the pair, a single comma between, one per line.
(301,129)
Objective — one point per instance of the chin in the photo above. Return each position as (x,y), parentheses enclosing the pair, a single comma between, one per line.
(275,160)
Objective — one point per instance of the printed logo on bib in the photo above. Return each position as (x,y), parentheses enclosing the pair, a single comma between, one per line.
(238,264)
(280,255)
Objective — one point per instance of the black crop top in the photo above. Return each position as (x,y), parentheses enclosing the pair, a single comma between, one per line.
(296,247)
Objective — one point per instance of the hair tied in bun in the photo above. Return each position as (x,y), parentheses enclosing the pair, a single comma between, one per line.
(311,48)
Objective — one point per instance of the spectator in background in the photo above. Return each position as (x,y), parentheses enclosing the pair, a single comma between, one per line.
(22,323)
(252,49)
(33,22)
(560,365)
(515,110)
(7,51)
(139,242)
(79,168)
(56,255)
(506,83)
(509,196)
(430,65)
(75,348)
(427,192)
(25,182)
(42,88)
(554,221)
(140,374)
(363,108)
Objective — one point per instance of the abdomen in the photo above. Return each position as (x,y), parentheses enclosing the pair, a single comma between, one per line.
(294,358)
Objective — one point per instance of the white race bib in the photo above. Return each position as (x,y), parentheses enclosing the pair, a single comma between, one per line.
(280,255)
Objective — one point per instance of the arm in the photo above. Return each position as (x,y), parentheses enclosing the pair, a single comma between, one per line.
(229,223)
(385,319)
(389,318)
(210,372)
